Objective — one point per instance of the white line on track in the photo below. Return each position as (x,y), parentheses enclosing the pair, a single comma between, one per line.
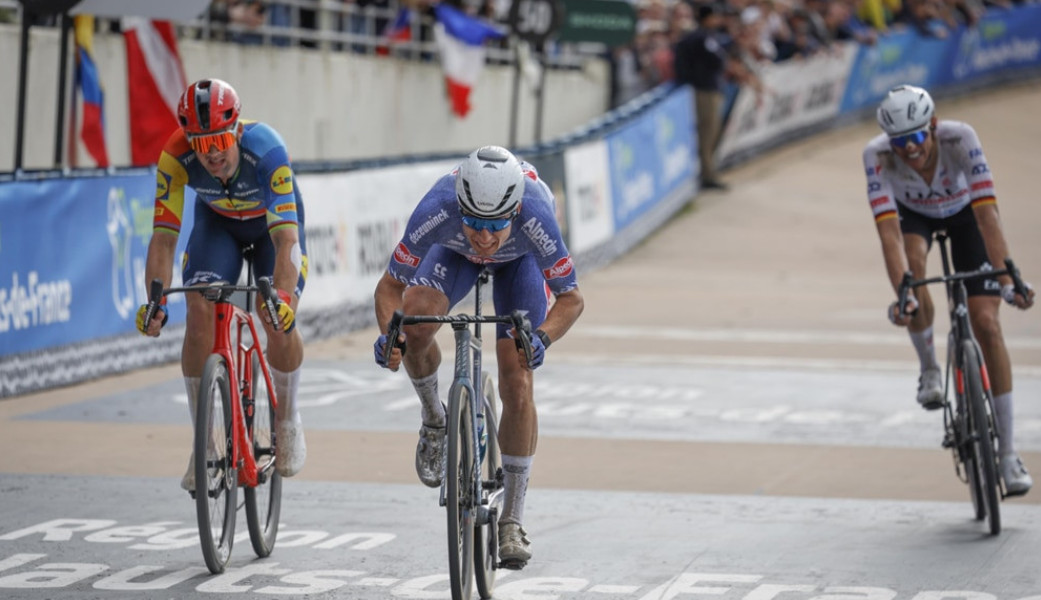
(761,362)
(764,336)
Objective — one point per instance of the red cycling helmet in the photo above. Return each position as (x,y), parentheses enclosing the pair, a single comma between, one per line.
(208,106)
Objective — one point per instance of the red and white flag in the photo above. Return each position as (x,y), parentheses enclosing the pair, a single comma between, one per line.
(155,81)
(460,40)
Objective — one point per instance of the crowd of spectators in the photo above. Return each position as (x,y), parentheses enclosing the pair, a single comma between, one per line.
(764,31)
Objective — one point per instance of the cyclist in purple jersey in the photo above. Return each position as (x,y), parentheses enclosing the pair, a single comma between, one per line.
(245,195)
(926,175)
(492,211)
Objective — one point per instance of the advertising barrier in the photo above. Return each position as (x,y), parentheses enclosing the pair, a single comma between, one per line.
(72,255)
(72,248)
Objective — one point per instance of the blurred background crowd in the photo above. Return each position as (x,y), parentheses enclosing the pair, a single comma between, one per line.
(753,32)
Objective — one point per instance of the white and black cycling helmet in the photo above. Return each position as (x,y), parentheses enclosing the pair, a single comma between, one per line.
(905,109)
(489,183)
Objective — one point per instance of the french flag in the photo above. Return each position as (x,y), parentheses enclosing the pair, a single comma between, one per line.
(398,30)
(93,129)
(460,39)
(155,82)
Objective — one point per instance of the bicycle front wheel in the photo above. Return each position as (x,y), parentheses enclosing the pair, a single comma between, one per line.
(216,477)
(486,542)
(459,498)
(263,502)
(981,430)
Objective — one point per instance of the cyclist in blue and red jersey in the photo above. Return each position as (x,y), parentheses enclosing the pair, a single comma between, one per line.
(245,195)
(492,211)
(926,175)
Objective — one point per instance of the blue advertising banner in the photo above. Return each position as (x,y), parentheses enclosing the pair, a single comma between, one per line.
(72,256)
(1003,41)
(897,58)
(651,157)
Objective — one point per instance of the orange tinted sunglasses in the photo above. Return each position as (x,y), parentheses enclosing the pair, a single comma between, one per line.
(203,142)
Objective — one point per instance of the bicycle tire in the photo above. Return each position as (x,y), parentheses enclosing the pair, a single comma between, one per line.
(216,478)
(486,538)
(263,502)
(981,430)
(459,501)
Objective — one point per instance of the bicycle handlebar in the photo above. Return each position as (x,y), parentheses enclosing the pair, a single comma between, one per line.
(909,282)
(516,318)
(219,292)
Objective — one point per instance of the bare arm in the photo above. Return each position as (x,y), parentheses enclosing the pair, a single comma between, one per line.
(287,257)
(388,299)
(989,223)
(565,311)
(159,263)
(892,250)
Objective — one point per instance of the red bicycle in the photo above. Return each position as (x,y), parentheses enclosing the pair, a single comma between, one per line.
(235,443)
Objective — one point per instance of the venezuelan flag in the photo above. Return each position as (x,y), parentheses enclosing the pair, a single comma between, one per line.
(93,129)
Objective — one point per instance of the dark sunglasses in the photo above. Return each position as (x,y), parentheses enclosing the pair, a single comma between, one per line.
(492,225)
(901,141)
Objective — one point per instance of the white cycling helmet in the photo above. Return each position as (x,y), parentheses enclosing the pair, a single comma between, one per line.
(489,183)
(905,109)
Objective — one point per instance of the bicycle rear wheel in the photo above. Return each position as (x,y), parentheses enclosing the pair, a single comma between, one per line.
(459,500)
(486,539)
(263,502)
(981,430)
(216,478)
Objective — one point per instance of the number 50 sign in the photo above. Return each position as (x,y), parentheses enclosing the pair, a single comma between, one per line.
(535,20)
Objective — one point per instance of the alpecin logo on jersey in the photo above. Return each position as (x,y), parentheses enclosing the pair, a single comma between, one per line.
(562,268)
(543,241)
(403,256)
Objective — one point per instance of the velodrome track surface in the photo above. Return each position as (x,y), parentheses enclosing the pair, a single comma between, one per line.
(732,416)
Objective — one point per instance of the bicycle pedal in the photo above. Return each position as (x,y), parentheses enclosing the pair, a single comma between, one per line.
(513,565)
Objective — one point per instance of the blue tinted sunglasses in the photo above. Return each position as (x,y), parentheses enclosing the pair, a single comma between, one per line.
(492,225)
(917,137)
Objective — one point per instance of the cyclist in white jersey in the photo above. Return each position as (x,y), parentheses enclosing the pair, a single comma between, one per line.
(925,175)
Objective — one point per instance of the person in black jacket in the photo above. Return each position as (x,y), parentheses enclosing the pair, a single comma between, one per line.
(701,60)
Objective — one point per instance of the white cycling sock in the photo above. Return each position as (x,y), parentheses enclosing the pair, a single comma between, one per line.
(191,385)
(516,471)
(432,410)
(923,345)
(286,386)
(1003,408)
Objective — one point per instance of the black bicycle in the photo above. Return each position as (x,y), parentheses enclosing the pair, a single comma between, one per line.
(970,425)
(472,486)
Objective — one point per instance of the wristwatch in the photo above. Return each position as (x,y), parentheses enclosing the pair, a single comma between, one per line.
(544,337)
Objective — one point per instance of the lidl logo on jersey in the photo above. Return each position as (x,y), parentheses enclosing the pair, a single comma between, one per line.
(282,180)
(162,186)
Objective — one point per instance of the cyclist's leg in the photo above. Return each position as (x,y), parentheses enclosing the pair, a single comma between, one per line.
(518,285)
(970,253)
(442,280)
(285,354)
(207,260)
(918,231)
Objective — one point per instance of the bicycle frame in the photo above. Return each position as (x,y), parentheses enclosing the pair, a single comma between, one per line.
(468,359)
(970,428)
(231,322)
(961,330)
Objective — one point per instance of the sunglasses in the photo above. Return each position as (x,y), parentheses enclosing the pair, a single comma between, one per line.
(901,141)
(492,225)
(222,140)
